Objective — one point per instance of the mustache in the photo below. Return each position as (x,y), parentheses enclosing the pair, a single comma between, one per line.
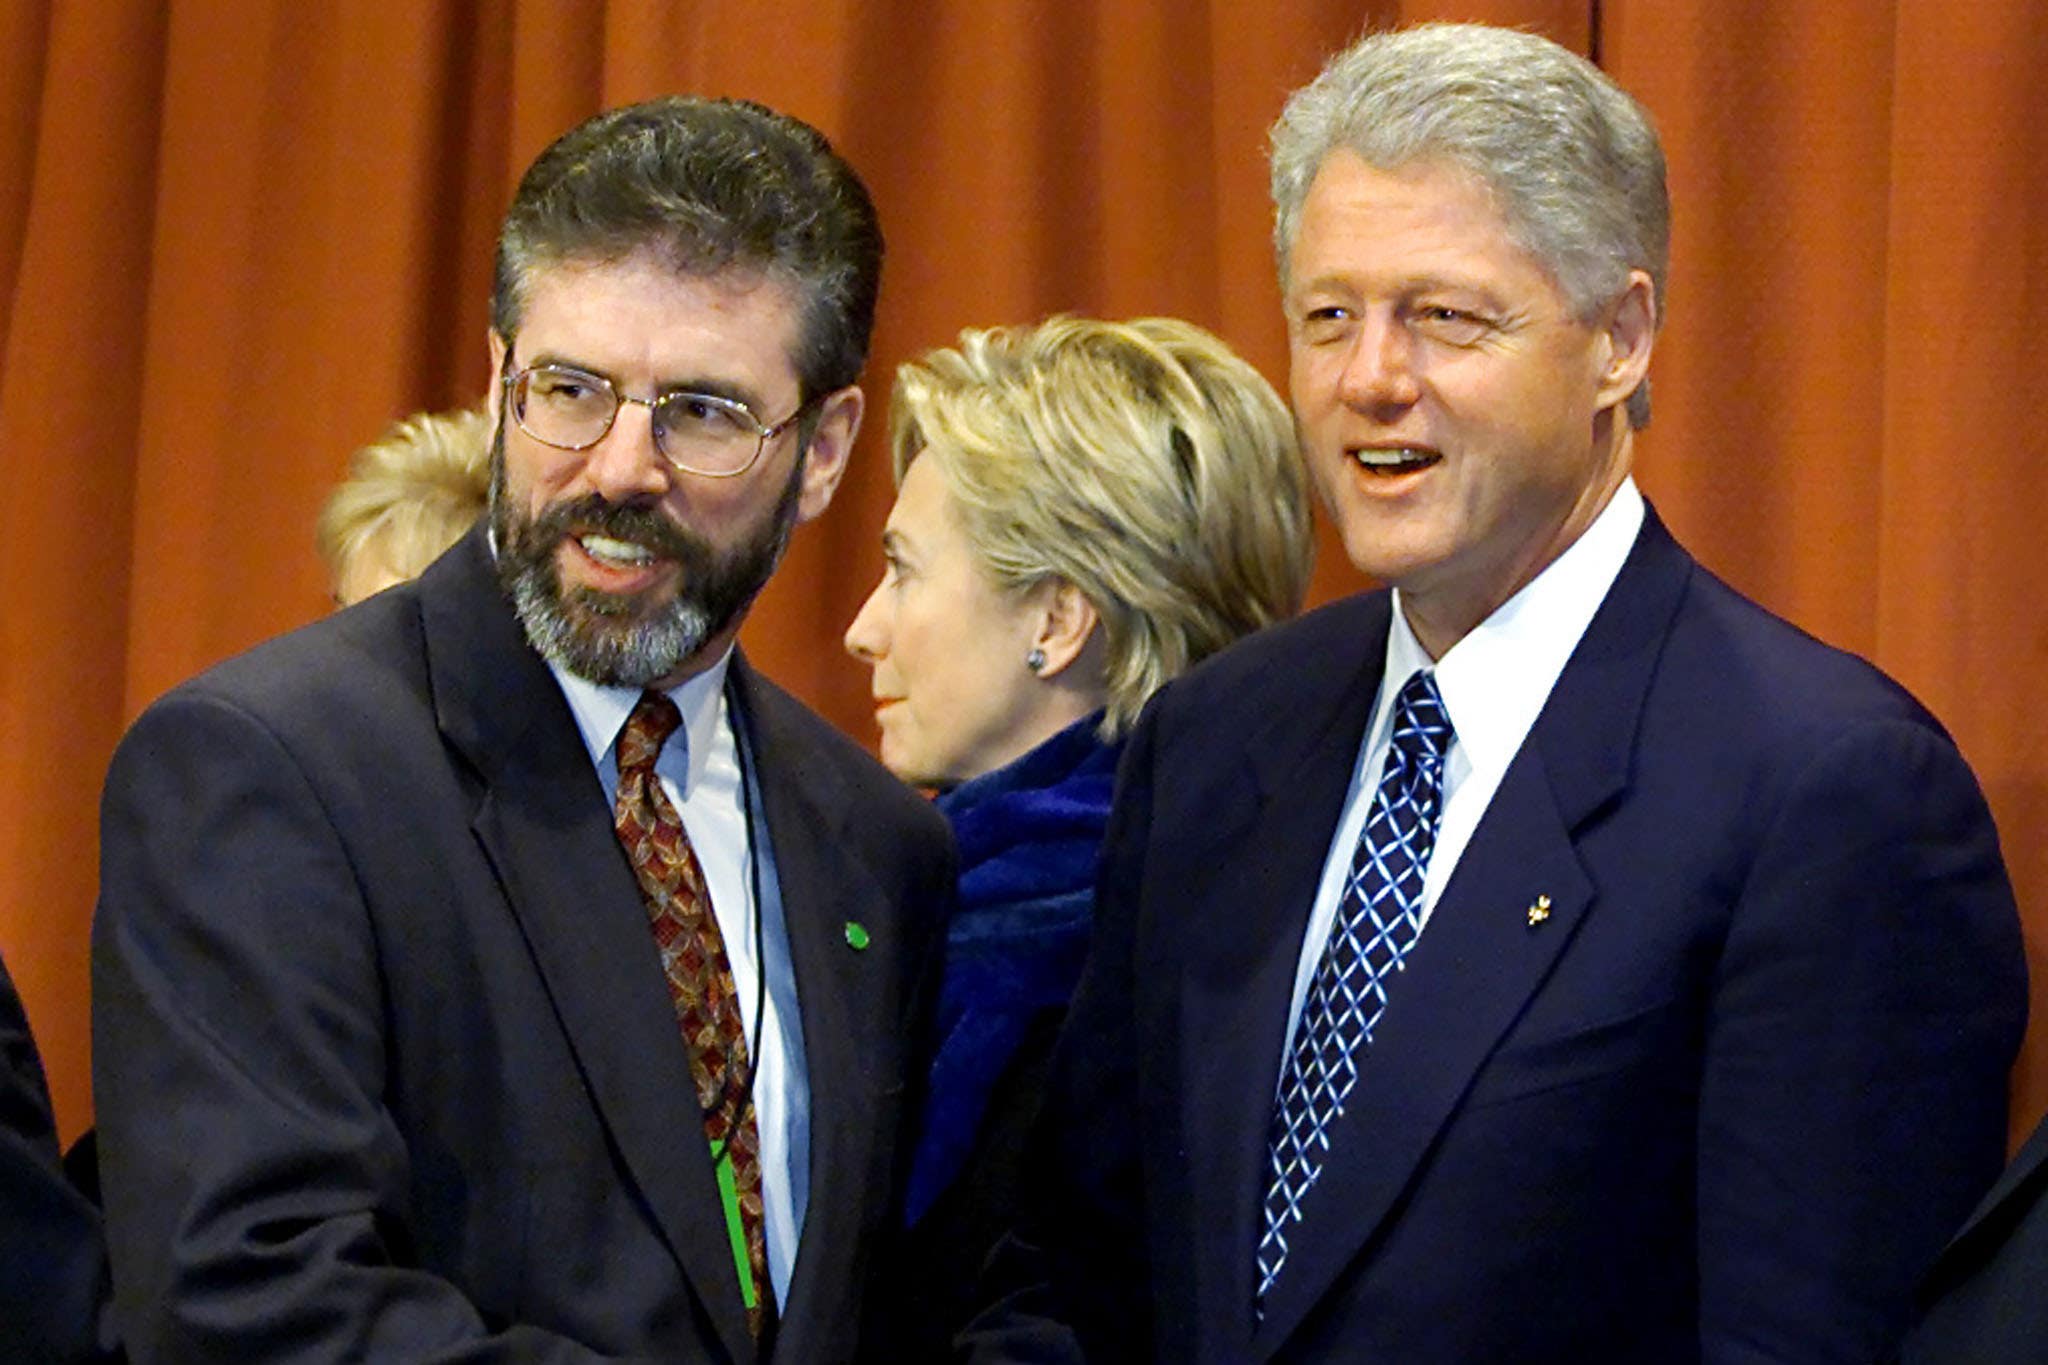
(636,522)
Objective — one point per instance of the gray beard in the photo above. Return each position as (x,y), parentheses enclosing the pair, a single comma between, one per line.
(619,639)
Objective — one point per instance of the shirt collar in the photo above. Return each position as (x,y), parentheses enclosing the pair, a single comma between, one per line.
(601,712)
(1495,680)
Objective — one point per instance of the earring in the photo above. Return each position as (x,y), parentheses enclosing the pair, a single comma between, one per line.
(1035,660)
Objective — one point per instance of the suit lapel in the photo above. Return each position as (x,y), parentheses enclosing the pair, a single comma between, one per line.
(1248,907)
(1481,958)
(1468,978)
(845,997)
(543,822)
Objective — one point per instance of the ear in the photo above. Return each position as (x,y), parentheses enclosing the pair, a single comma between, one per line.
(831,445)
(496,394)
(1631,332)
(1066,623)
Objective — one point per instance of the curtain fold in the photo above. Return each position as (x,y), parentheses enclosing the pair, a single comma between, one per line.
(237,238)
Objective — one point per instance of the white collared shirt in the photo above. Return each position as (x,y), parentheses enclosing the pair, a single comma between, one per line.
(700,769)
(1494,683)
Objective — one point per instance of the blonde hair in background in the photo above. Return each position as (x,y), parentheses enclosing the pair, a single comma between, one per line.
(1144,462)
(408,496)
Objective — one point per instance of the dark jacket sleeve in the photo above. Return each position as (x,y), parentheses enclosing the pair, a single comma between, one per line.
(1868,1002)
(1070,1283)
(53,1265)
(256,1182)
(1987,1297)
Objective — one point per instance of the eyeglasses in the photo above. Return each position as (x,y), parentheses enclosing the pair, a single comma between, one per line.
(700,433)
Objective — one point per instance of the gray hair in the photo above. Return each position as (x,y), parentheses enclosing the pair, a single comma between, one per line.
(707,185)
(1570,157)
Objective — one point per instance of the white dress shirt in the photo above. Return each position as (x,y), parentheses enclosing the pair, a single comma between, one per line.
(700,769)
(1494,682)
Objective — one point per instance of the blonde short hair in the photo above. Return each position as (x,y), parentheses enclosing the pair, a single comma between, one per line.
(1141,461)
(408,496)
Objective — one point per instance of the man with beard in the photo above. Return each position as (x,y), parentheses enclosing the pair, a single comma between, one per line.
(501,969)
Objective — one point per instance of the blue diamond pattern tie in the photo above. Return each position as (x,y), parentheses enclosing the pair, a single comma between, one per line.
(1377,923)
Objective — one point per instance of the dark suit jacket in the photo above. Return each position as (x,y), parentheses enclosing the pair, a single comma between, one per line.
(1986,1301)
(53,1265)
(385,1064)
(1723,1103)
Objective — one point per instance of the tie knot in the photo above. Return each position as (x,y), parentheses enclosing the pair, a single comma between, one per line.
(654,719)
(1422,724)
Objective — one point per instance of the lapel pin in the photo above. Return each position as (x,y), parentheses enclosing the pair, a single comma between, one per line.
(856,935)
(1539,912)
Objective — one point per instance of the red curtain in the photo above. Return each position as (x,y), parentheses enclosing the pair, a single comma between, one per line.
(238,237)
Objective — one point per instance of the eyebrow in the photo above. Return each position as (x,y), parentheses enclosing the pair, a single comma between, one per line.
(1440,284)
(717,388)
(709,386)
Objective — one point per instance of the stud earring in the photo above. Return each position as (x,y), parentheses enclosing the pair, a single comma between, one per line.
(1035,660)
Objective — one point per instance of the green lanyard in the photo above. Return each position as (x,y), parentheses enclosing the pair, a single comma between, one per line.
(729,1196)
(721,1152)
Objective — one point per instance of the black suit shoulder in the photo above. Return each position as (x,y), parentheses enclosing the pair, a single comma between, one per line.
(358,672)
(1752,660)
(336,720)
(1274,674)
(1330,639)
(1758,660)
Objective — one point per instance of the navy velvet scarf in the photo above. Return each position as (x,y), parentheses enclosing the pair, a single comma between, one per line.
(1030,837)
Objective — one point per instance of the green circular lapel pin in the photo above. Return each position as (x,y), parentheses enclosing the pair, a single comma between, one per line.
(856,935)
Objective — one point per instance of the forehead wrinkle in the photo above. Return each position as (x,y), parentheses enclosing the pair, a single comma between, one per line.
(1428,210)
(1416,282)
(565,299)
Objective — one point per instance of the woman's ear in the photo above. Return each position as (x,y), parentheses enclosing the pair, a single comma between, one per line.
(1066,622)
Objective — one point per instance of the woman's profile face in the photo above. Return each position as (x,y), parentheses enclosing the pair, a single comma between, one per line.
(953,694)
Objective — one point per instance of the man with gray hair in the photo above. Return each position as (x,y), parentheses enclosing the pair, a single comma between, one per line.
(501,969)
(1555,957)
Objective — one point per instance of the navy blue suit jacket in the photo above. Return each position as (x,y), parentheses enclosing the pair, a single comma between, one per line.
(384,1061)
(1986,1300)
(53,1263)
(1723,1103)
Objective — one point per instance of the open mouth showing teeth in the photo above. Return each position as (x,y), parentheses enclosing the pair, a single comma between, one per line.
(1395,459)
(623,553)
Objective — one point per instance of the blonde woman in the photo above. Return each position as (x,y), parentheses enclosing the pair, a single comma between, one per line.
(409,495)
(1084,509)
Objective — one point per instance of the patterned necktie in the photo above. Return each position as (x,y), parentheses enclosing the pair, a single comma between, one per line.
(699,984)
(1377,923)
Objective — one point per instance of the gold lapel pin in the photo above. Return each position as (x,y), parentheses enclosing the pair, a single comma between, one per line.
(1539,912)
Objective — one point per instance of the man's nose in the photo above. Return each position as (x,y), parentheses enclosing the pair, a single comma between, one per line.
(1380,370)
(626,464)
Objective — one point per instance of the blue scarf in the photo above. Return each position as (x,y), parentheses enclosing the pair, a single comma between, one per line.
(1030,837)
